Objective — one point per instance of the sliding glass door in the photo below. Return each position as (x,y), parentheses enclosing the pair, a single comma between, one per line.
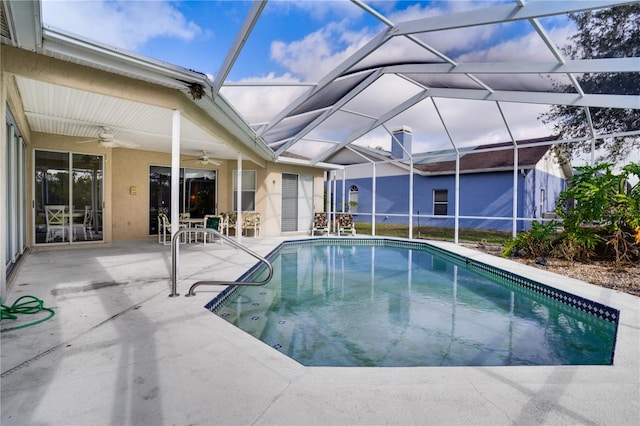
(197,193)
(297,202)
(68,197)
(14,210)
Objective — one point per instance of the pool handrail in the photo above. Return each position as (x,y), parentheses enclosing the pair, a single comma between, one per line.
(174,263)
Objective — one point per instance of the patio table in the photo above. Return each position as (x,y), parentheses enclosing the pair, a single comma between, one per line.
(193,222)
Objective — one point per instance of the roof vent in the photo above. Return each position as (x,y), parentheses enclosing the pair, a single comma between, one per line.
(4,26)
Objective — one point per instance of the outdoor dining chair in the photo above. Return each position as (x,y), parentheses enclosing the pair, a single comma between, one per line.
(251,221)
(57,222)
(229,222)
(164,229)
(84,226)
(212,222)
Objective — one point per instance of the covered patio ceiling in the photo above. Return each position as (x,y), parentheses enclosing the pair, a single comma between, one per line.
(85,115)
(404,76)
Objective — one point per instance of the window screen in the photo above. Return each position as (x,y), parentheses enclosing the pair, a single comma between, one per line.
(248,190)
(440,202)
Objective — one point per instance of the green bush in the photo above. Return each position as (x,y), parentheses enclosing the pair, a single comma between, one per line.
(600,217)
(536,242)
(600,213)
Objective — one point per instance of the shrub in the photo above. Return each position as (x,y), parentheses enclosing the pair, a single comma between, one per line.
(600,213)
(536,242)
(600,216)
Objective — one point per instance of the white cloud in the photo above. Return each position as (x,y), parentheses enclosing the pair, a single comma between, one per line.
(122,23)
(318,52)
(257,104)
(318,10)
(528,47)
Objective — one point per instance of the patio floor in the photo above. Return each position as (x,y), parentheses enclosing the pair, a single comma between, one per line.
(120,351)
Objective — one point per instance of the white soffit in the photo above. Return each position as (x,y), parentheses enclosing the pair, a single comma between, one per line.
(61,110)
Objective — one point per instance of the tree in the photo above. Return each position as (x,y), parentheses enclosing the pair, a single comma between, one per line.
(608,33)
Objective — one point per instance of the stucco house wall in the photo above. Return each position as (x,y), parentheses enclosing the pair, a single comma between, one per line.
(126,215)
(269,197)
(488,194)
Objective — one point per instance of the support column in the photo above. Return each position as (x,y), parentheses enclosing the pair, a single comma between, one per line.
(332,225)
(457,200)
(514,229)
(373,199)
(175,172)
(344,190)
(239,200)
(327,189)
(411,198)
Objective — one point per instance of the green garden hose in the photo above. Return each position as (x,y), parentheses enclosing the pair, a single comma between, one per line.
(26,305)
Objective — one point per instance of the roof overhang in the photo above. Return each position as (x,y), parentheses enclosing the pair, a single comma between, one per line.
(21,24)
(24,26)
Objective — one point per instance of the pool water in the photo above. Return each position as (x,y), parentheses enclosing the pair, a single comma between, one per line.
(336,304)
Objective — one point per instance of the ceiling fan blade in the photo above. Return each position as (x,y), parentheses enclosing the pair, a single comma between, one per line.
(87,141)
(125,144)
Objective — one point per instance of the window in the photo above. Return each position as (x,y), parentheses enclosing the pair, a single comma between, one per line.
(543,203)
(248,190)
(440,202)
(353,199)
(197,193)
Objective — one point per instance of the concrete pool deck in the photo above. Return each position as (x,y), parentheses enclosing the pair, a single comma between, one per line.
(119,351)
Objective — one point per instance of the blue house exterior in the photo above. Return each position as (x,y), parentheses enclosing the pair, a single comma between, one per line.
(486,189)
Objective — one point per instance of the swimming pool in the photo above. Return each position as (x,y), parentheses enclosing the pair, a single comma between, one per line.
(382,302)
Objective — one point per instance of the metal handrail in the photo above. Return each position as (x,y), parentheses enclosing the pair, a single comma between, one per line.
(174,263)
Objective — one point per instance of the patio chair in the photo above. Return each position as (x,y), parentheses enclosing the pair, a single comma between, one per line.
(164,228)
(185,221)
(229,222)
(251,221)
(84,226)
(57,222)
(345,224)
(320,223)
(212,222)
(89,217)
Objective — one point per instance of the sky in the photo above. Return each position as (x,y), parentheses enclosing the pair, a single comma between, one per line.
(300,41)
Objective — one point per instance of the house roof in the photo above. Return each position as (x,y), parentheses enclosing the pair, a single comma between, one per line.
(335,111)
(479,159)
(488,158)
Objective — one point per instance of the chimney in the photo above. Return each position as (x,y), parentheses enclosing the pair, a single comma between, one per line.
(401,136)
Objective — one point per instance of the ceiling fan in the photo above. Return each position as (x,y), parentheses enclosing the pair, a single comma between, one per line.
(204,159)
(106,140)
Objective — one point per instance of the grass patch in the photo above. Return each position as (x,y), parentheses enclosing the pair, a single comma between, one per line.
(435,233)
